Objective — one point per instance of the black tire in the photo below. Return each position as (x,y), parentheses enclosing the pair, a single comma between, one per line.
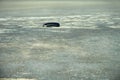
(51,24)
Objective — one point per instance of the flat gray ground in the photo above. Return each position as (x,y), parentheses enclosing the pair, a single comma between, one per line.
(85,47)
(60,54)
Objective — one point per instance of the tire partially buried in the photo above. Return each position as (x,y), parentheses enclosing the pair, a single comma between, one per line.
(51,24)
